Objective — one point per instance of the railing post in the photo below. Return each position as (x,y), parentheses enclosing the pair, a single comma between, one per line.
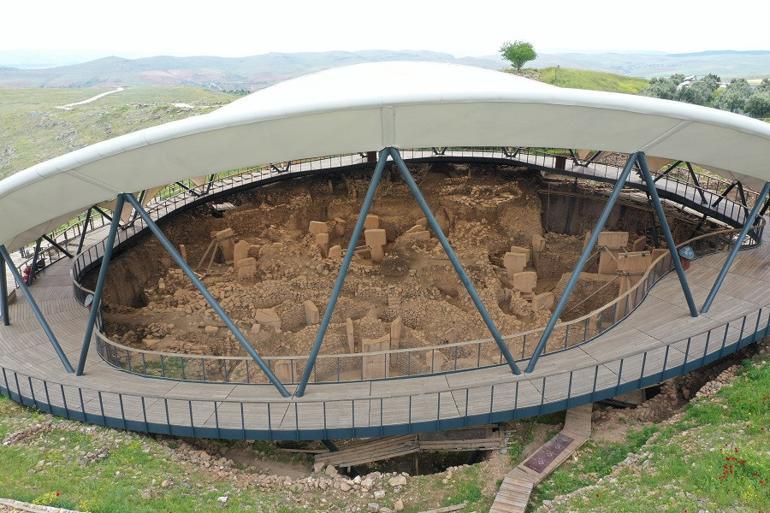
(171,250)
(357,230)
(582,261)
(36,310)
(747,225)
(4,294)
(415,190)
(96,304)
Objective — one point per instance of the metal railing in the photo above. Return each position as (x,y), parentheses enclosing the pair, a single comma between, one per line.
(498,400)
(374,365)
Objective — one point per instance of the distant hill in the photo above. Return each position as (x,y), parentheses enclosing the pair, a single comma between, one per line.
(218,73)
(725,63)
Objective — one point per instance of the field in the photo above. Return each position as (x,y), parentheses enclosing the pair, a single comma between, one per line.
(34,129)
(587,79)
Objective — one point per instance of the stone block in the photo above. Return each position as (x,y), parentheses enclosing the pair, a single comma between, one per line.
(608,263)
(228,250)
(374,365)
(211,330)
(415,228)
(241,251)
(311,313)
(416,236)
(372,221)
(282,370)
(183,252)
(375,237)
(514,262)
(613,240)
(522,250)
(268,317)
(636,262)
(317,227)
(639,244)
(254,251)
(543,301)
(227,233)
(525,281)
(377,254)
(396,329)
(246,268)
(335,252)
(350,334)
(538,243)
(322,241)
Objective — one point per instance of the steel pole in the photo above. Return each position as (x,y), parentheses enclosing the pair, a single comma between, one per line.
(169,247)
(96,304)
(621,181)
(84,231)
(359,227)
(4,294)
(747,225)
(415,190)
(36,310)
(655,199)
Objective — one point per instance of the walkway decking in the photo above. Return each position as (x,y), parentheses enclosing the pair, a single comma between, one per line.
(659,326)
(655,342)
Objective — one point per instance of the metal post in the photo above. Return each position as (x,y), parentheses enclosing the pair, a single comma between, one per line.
(96,304)
(4,294)
(357,230)
(169,247)
(653,192)
(621,181)
(415,190)
(734,251)
(83,232)
(36,310)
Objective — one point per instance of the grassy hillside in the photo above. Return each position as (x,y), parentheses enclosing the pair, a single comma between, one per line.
(33,129)
(714,457)
(588,79)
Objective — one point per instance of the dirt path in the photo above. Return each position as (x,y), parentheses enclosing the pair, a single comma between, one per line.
(92,99)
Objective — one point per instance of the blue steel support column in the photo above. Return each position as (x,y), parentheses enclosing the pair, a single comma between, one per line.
(96,304)
(376,177)
(734,252)
(171,250)
(415,190)
(36,310)
(4,294)
(582,262)
(655,199)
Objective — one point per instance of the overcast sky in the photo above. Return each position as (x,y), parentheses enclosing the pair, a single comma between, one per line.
(136,28)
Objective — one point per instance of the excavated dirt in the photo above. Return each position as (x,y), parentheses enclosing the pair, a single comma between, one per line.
(484,211)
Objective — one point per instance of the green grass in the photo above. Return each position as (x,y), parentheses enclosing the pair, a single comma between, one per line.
(34,130)
(588,79)
(715,458)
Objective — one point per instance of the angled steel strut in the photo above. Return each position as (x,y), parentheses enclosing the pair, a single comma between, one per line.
(96,302)
(171,250)
(36,310)
(357,230)
(415,190)
(747,225)
(4,294)
(621,181)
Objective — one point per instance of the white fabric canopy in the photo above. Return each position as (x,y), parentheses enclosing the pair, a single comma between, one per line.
(368,107)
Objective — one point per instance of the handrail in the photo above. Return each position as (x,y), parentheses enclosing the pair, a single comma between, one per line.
(311,420)
(357,359)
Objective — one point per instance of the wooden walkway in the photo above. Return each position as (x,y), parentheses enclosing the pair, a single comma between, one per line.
(655,342)
(514,492)
(482,438)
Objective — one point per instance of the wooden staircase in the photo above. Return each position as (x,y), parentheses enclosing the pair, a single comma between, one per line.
(514,492)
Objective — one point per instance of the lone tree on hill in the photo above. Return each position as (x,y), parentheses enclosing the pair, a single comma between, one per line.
(518,53)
